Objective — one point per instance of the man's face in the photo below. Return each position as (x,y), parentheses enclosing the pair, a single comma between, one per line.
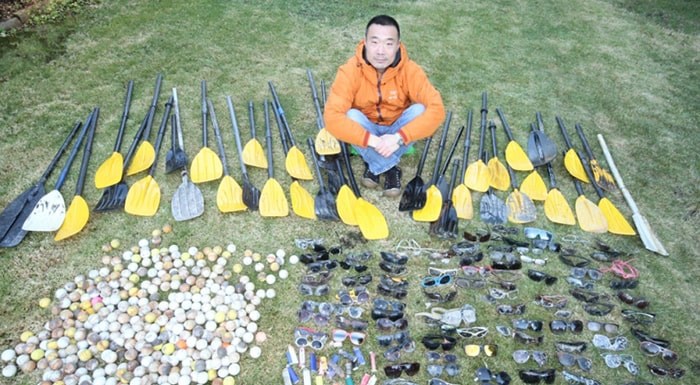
(381,45)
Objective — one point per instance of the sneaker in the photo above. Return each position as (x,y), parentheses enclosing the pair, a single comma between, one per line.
(369,180)
(392,182)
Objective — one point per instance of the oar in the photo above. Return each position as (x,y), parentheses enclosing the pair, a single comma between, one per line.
(251,194)
(78,212)
(176,158)
(145,155)
(110,171)
(302,201)
(253,153)
(345,200)
(515,155)
(446,224)
(556,208)
(187,202)
(442,183)
(273,202)
(325,143)
(492,209)
(533,184)
(521,209)
(229,196)
(143,198)
(477,177)
(590,217)
(572,162)
(370,220)
(499,178)
(13,216)
(540,148)
(324,203)
(461,196)
(295,163)
(433,197)
(206,165)
(649,238)
(602,177)
(413,197)
(50,211)
(617,224)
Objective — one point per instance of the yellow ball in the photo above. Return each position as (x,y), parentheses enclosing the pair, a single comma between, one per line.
(25,336)
(257,257)
(237,268)
(114,243)
(37,354)
(84,355)
(219,317)
(44,302)
(134,278)
(229,381)
(167,228)
(168,349)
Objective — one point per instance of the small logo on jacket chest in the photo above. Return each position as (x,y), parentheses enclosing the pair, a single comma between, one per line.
(393,95)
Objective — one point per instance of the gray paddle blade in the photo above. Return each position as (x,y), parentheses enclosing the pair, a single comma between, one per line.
(48,213)
(521,209)
(22,205)
(492,209)
(113,197)
(188,201)
(324,206)
(251,195)
(540,149)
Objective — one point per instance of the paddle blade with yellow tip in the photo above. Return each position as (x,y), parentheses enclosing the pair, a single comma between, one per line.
(345,202)
(572,160)
(143,158)
(229,196)
(143,198)
(601,176)
(521,209)
(515,155)
(326,143)
(477,176)
(76,218)
(110,171)
(296,165)
(433,205)
(371,221)
(302,201)
(206,166)
(590,217)
(499,177)
(273,202)
(462,200)
(617,224)
(557,209)
(253,153)
(534,186)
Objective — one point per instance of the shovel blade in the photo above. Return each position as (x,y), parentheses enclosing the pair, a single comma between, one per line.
(326,143)
(110,171)
(477,177)
(534,187)
(345,204)
(188,202)
(77,217)
(540,149)
(492,209)
(143,198)
(324,206)
(48,213)
(575,167)
(521,209)
(206,166)
(557,209)
(229,196)
(175,160)
(254,155)
(517,158)
(590,217)
(296,165)
(113,197)
(462,198)
(371,221)
(498,175)
(433,205)
(143,158)
(446,225)
(413,197)
(302,201)
(251,195)
(273,202)
(617,224)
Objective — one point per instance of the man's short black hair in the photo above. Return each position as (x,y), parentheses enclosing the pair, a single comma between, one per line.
(384,20)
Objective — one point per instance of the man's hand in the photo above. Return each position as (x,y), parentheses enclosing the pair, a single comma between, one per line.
(385,145)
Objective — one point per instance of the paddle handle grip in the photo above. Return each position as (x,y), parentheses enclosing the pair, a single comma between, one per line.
(86,152)
(177,118)
(582,136)
(236,135)
(217,135)
(618,178)
(467,144)
(73,152)
(59,153)
(125,115)
(492,128)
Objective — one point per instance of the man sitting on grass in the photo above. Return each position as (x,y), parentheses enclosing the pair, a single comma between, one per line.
(380,102)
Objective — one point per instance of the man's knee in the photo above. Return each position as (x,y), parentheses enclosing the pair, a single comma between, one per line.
(356,115)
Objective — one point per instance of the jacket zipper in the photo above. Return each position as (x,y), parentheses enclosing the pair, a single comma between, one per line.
(379,100)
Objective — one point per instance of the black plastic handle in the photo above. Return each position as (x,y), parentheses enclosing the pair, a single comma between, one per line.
(204,112)
(73,152)
(506,126)
(467,145)
(125,116)
(152,109)
(586,146)
(268,139)
(251,118)
(441,148)
(217,135)
(451,153)
(314,95)
(552,180)
(237,136)
(453,179)
(161,134)
(310,143)
(348,167)
(564,133)
(86,152)
(59,153)
(492,128)
(423,156)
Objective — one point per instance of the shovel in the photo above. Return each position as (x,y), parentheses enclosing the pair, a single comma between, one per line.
(273,202)
(433,197)
(515,155)
(145,155)
(13,216)
(251,195)
(176,158)
(556,208)
(110,171)
(295,162)
(572,161)
(492,209)
(521,209)
(50,211)
(187,202)
(461,196)
(446,224)
(143,198)
(325,143)
(78,212)
(477,177)
(649,238)
(413,197)
(540,148)
(601,176)
(229,196)
(499,177)
(324,203)
(253,153)
(206,165)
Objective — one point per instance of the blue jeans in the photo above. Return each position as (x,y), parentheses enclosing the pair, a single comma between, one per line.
(377,163)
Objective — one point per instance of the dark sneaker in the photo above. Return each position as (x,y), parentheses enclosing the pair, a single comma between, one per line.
(369,180)
(392,182)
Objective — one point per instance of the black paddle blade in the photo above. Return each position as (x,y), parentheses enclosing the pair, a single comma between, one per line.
(540,149)
(113,197)
(492,209)
(251,195)
(175,160)
(11,213)
(447,224)
(324,206)
(413,197)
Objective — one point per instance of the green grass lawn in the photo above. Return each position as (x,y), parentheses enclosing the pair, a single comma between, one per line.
(627,70)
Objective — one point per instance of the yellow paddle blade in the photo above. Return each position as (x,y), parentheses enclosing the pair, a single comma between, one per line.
(143,158)
(370,220)
(477,177)
(575,167)
(345,203)
(77,216)
(110,171)
(302,201)
(143,197)
(206,166)
(229,196)
(557,209)
(326,143)
(517,158)
(254,155)
(498,175)
(617,224)
(462,201)
(273,202)
(534,186)
(590,217)
(296,165)
(602,176)
(433,204)
(521,209)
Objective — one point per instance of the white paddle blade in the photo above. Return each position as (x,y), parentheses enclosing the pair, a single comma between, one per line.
(48,213)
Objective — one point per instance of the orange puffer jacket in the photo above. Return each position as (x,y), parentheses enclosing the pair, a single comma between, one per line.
(382,99)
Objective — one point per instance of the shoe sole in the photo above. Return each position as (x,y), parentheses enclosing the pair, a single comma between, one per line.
(392,192)
(369,183)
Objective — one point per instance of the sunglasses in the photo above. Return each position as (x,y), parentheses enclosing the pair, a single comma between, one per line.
(311,258)
(433,342)
(308,243)
(596,326)
(385,324)
(358,295)
(473,350)
(383,304)
(311,290)
(527,339)
(501,294)
(598,309)
(479,236)
(392,268)
(470,283)
(307,337)
(570,347)
(353,324)
(397,293)
(340,335)
(395,370)
(318,318)
(510,309)
(536,261)
(569,359)
(522,356)
(435,357)
(316,278)
(390,314)
(638,317)
(539,276)
(524,324)
(464,248)
(603,342)
(670,372)
(582,272)
(394,353)
(441,280)
(387,339)
(536,376)
(436,370)
(397,259)
(561,326)
(613,361)
(552,301)
(472,332)
(347,265)
(357,280)
(651,349)
(319,266)
(439,297)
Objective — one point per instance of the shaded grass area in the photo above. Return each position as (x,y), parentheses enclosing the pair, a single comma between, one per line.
(595,63)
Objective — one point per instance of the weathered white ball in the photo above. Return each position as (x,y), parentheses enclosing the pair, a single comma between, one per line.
(270,293)
(9,371)
(255,351)
(293,259)
(283,274)
(8,355)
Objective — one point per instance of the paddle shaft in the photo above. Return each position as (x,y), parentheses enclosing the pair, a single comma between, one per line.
(125,116)
(467,145)
(452,150)
(453,178)
(280,112)
(268,139)
(59,153)
(618,178)
(552,180)
(314,95)
(204,113)
(564,133)
(589,172)
(423,156)
(280,128)
(152,109)
(586,146)
(217,135)
(180,140)
(71,156)
(441,148)
(251,119)
(161,134)
(484,112)
(348,166)
(237,136)
(322,186)
(492,128)
(86,152)
(506,126)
